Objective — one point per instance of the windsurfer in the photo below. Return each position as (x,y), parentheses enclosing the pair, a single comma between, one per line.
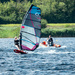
(16,42)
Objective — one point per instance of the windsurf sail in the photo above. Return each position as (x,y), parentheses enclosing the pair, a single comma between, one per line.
(31,29)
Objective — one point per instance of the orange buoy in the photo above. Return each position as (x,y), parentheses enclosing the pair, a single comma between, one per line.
(44,42)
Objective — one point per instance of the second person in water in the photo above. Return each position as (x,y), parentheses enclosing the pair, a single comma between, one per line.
(49,41)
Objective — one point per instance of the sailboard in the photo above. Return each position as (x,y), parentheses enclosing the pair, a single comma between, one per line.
(31,29)
(19,51)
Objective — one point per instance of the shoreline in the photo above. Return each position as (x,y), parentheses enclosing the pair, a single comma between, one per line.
(42,37)
(12,30)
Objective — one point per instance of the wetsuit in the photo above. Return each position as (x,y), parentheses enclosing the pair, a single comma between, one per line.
(50,42)
(16,42)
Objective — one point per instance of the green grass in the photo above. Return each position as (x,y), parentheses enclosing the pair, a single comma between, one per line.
(63,32)
(9,30)
(59,30)
(61,24)
(9,25)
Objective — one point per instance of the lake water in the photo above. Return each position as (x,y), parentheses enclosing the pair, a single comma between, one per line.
(42,61)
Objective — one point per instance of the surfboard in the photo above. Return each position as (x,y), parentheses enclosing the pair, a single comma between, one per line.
(45,45)
(19,51)
(57,45)
(49,46)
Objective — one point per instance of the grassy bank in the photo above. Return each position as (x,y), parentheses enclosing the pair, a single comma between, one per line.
(61,24)
(64,32)
(9,30)
(56,30)
(59,30)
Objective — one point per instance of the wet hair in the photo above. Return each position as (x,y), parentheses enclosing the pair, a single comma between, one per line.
(49,36)
(15,37)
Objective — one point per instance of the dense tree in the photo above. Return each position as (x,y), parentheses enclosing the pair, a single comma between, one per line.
(12,12)
(15,0)
(54,11)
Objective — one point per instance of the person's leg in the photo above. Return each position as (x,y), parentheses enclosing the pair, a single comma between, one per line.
(17,47)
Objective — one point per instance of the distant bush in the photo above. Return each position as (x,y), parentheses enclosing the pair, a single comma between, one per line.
(43,23)
(67,25)
(70,32)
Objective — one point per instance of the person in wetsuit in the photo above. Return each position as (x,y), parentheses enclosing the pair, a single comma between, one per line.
(16,42)
(50,41)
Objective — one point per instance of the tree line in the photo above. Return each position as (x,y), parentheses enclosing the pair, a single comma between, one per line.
(54,11)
